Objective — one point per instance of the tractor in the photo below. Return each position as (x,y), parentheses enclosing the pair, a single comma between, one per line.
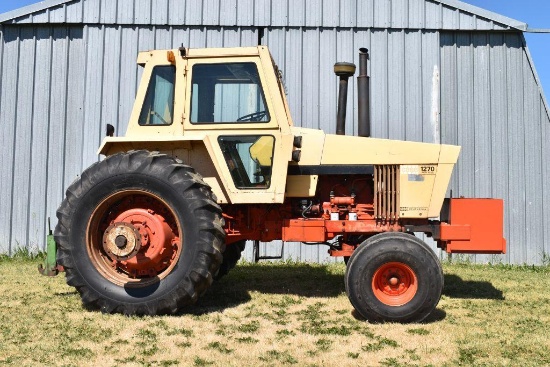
(211,159)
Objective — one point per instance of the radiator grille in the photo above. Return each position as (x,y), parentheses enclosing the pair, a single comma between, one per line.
(386,193)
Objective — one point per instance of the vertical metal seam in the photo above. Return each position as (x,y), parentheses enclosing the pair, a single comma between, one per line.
(10,239)
(66,108)
(49,119)
(85,36)
(31,140)
(119,81)
(102,29)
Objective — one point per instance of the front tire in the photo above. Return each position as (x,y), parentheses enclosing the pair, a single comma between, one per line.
(139,233)
(394,277)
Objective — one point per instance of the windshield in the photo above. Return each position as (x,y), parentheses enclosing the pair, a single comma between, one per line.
(225,93)
(158,107)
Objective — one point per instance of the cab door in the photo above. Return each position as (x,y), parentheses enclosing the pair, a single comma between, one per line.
(231,107)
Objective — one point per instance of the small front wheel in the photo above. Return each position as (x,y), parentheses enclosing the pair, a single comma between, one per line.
(394,277)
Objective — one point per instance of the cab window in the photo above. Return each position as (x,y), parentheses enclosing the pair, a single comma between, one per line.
(227,93)
(158,107)
(249,159)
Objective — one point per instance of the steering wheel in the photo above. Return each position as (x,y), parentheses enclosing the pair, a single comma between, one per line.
(255,116)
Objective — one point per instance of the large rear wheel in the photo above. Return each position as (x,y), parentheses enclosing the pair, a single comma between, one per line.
(394,277)
(139,233)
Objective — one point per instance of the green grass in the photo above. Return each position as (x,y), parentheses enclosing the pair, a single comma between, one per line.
(276,315)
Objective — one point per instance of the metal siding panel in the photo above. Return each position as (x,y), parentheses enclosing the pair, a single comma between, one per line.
(24,20)
(400,13)
(293,68)
(482,115)
(214,37)
(533,243)
(417,13)
(197,37)
(382,13)
(211,12)
(310,79)
(449,99)
(245,12)
(38,153)
(413,86)
(379,84)
(228,12)
(262,13)
(499,123)
(125,11)
(465,105)
(142,15)
(516,154)
(467,21)
(348,13)
(396,85)
(365,13)
(545,167)
(430,75)
(163,38)
(41,17)
(95,39)
(57,14)
(330,13)
(74,12)
(111,77)
(328,82)
(193,12)
(159,12)
(8,98)
(74,120)
(313,13)
(296,14)
(483,24)
(433,15)
(22,142)
(176,14)
(128,76)
(108,13)
(91,11)
(58,114)
(451,17)
(279,13)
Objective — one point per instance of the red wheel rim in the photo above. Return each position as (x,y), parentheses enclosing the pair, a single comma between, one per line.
(394,284)
(133,238)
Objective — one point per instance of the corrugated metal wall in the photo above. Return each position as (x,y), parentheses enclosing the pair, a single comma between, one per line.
(492,107)
(400,14)
(61,84)
(59,87)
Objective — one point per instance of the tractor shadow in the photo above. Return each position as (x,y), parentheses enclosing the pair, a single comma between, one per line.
(302,280)
(456,287)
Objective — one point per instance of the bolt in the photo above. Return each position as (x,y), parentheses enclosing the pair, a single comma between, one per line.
(120,241)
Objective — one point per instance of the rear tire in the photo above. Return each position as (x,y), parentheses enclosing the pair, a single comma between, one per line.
(394,277)
(173,234)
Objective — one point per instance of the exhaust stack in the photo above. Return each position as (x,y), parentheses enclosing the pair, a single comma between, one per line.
(344,70)
(363,95)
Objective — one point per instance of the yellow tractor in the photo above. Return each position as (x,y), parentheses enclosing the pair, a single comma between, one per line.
(211,159)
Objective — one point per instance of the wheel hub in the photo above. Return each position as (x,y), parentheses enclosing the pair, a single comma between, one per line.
(394,284)
(121,241)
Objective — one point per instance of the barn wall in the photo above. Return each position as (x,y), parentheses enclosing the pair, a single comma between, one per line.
(492,107)
(60,86)
(67,71)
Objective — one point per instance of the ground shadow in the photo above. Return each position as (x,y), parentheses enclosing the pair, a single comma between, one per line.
(456,287)
(302,280)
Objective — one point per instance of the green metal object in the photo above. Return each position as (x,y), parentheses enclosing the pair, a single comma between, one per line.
(50,268)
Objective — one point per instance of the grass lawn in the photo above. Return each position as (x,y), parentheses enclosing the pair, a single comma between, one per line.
(281,314)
